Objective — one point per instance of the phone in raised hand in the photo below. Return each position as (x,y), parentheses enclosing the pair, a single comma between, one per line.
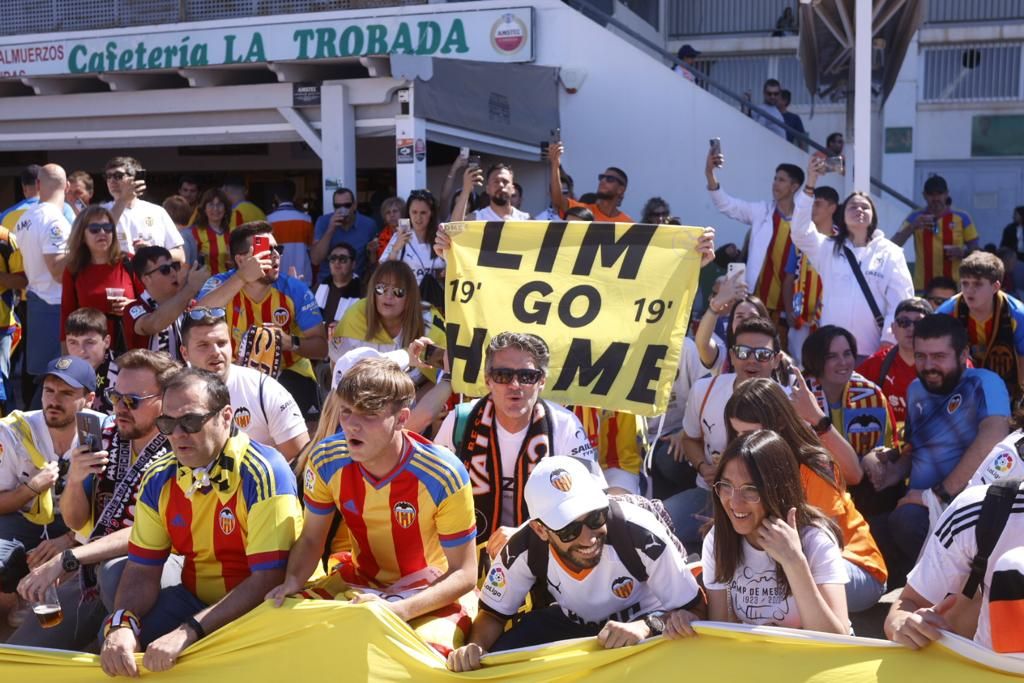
(433,356)
(90,430)
(733,268)
(260,244)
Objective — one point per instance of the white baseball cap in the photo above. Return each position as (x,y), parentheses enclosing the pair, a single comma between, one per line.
(350,358)
(561,489)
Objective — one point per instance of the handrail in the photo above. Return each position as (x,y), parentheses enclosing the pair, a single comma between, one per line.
(604,18)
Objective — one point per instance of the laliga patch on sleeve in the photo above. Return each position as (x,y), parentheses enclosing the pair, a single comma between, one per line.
(137,311)
(308,480)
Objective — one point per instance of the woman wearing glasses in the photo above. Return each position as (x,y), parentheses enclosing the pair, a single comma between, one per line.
(389,318)
(864,276)
(343,288)
(97,273)
(759,402)
(770,557)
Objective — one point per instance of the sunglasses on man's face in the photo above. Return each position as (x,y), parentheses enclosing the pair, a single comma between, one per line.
(605,177)
(97,228)
(521,375)
(397,292)
(165,268)
(342,205)
(594,521)
(131,401)
(339,259)
(116,175)
(190,423)
(905,322)
(761,353)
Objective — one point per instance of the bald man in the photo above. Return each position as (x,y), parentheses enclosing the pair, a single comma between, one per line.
(42,235)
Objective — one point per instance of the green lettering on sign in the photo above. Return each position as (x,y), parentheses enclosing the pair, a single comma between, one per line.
(429,38)
(456,40)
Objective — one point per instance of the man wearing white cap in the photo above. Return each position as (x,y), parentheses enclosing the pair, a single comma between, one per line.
(611,566)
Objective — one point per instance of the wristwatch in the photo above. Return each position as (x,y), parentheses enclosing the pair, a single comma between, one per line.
(823,425)
(296,341)
(656,622)
(69,562)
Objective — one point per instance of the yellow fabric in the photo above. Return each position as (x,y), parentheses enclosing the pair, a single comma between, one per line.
(611,300)
(41,511)
(353,325)
(314,640)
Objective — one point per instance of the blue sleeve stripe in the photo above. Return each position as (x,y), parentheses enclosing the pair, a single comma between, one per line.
(459,540)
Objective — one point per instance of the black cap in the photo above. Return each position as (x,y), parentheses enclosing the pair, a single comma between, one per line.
(687,51)
(936,184)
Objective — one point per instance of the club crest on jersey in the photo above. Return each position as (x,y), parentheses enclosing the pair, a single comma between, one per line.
(622,587)
(281,316)
(226,521)
(561,480)
(954,403)
(243,418)
(405,514)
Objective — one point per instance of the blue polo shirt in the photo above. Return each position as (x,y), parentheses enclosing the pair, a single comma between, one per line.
(359,235)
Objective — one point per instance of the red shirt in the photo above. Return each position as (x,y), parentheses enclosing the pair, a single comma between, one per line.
(896,381)
(88,288)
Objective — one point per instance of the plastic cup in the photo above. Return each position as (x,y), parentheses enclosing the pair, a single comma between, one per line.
(48,610)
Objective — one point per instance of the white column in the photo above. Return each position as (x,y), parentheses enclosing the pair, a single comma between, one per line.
(410,146)
(862,97)
(338,132)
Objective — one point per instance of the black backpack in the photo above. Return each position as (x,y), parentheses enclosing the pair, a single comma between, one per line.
(995,511)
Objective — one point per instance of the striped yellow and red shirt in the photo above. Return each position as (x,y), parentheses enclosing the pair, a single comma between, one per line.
(214,246)
(246,521)
(615,437)
(769,282)
(952,229)
(401,523)
(245,212)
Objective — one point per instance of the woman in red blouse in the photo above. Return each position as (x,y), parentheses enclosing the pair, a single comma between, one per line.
(97,273)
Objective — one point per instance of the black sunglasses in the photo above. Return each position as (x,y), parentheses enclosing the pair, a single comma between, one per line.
(338,258)
(97,228)
(343,205)
(761,353)
(571,531)
(381,290)
(131,401)
(610,179)
(165,268)
(202,312)
(905,322)
(117,175)
(523,375)
(190,423)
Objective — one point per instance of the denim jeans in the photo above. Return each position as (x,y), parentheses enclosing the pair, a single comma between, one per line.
(900,535)
(863,591)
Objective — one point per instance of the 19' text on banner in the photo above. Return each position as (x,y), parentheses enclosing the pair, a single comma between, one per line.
(610,299)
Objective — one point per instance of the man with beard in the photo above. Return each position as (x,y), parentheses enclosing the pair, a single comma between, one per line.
(611,188)
(257,293)
(955,415)
(641,589)
(264,409)
(37,448)
(99,502)
(500,183)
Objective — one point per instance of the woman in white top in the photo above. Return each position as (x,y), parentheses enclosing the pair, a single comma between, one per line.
(881,261)
(415,245)
(771,559)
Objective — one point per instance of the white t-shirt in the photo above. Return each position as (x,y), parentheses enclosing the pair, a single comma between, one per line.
(568,439)
(489,214)
(417,255)
(1001,462)
(754,593)
(16,466)
(274,421)
(42,229)
(689,371)
(945,562)
(146,222)
(606,592)
(709,425)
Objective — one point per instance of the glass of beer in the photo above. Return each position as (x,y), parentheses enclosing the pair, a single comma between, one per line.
(48,610)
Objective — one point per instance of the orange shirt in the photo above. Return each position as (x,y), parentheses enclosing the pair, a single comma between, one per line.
(599,215)
(859,546)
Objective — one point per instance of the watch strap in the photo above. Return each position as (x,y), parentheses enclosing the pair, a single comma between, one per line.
(69,562)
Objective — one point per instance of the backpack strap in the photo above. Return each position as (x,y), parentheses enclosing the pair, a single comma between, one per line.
(995,511)
(620,539)
(537,556)
(461,411)
(887,362)
(865,290)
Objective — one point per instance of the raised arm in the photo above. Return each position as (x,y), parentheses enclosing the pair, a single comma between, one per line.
(558,202)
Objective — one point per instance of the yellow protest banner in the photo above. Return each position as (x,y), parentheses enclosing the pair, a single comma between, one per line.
(309,641)
(610,299)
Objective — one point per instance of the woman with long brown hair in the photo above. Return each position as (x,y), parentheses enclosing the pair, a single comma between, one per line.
(210,231)
(97,274)
(770,558)
(759,402)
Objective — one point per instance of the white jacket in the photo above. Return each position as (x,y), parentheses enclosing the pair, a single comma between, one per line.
(843,304)
(758,215)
